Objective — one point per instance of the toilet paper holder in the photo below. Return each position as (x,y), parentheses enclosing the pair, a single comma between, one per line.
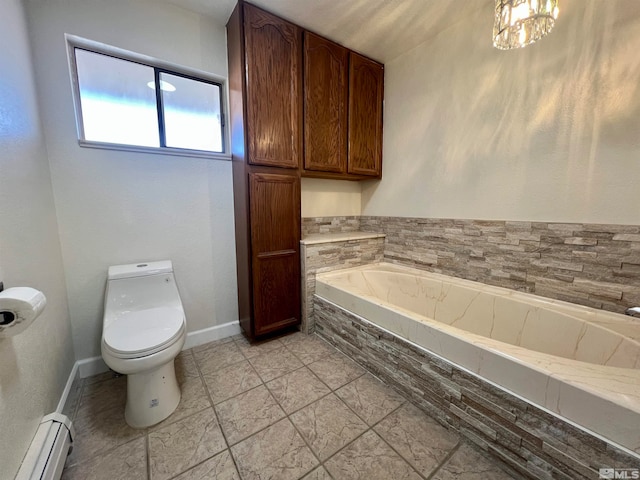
(5,317)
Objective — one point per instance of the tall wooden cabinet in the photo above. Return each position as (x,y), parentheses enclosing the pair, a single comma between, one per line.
(265,92)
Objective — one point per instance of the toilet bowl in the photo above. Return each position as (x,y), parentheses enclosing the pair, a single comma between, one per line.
(143,330)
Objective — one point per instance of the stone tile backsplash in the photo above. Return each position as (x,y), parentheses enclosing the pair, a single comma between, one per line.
(596,265)
(312,225)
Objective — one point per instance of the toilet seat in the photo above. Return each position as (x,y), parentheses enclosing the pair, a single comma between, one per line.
(143,332)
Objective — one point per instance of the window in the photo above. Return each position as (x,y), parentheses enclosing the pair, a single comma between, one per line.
(132,102)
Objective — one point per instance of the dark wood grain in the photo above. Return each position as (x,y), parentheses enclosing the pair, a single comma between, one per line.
(273,50)
(366,80)
(325,104)
(275,239)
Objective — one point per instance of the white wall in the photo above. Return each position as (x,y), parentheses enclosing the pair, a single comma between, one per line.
(122,207)
(34,365)
(328,198)
(549,133)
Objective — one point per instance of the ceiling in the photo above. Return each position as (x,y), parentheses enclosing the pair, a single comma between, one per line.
(381,29)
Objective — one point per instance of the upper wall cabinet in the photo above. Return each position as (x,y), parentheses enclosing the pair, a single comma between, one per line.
(366,80)
(326,83)
(273,59)
(343,95)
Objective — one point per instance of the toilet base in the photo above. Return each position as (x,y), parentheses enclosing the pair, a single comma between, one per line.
(152,396)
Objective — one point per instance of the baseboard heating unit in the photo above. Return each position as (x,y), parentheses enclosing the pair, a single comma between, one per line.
(49,449)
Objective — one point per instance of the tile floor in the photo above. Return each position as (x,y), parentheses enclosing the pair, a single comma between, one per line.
(289,408)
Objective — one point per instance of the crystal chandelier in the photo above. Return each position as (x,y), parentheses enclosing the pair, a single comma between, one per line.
(521,22)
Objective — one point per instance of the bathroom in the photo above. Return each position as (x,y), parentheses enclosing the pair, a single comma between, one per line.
(546,134)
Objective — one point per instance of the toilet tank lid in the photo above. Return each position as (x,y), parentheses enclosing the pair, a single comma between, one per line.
(141,269)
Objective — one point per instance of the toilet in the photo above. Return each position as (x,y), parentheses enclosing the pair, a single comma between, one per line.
(143,330)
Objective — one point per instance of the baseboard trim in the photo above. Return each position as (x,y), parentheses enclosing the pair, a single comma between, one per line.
(67,388)
(206,335)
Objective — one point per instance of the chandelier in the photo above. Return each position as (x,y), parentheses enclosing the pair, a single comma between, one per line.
(521,22)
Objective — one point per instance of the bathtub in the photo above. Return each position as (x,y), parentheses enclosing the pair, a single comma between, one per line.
(579,363)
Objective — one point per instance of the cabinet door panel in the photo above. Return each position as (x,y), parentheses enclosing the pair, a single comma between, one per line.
(366,79)
(273,52)
(325,104)
(275,234)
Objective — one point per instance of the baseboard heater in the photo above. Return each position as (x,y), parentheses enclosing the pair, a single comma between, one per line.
(49,449)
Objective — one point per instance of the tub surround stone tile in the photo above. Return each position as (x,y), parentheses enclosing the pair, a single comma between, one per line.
(316,225)
(418,438)
(248,413)
(297,389)
(327,425)
(125,462)
(589,264)
(277,453)
(336,370)
(184,444)
(231,381)
(467,464)
(220,467)
(218,356)
(331,252)
(529,440)
(275,363)
(369,458)
(370,398)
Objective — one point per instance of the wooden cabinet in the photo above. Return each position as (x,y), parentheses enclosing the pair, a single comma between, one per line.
(366,80)
(273,51)
(265,98)
(343,95)
(275,238)
(326,82)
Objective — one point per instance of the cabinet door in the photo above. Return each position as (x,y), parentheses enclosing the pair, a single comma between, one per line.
(325,104)
(273,50)
(366,80)
(275,243)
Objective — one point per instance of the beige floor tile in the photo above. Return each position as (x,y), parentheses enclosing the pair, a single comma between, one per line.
(369,458)
(217,357)
(371,399)
(103,395)
(220,467)
(253,349)
(327,425)
(417,438)
(248,413)
(193,399)
(336,370)
(318,474)
(215,343)
(101,377)
(126,462)
(277,453)
(99,433)
(231,381)
(310,349)
(185,366)
(292,337)
(183,444)
(275,363)
(297,389)
(469,464)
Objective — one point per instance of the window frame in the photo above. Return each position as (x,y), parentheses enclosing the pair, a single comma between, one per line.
(159,66)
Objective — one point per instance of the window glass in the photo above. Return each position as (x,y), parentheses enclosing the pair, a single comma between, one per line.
(118,106)
(191,113)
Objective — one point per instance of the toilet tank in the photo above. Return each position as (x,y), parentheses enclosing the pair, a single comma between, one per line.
(140,286)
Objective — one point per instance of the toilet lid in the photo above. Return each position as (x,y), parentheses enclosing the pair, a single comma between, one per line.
(143,330)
